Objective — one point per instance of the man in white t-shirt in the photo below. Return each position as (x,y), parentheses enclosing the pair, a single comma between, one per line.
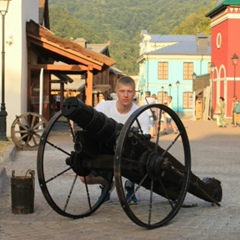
(120,110)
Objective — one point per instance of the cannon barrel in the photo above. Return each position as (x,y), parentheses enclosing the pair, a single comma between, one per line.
(96,123)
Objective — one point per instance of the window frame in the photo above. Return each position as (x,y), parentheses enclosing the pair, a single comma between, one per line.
(187,100)
(163,70)
(188,69)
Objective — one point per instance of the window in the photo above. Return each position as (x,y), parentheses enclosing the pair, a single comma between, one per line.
(187,100)
(188,70)
(162,70)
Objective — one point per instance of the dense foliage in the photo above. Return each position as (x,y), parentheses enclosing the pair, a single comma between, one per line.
(121,21)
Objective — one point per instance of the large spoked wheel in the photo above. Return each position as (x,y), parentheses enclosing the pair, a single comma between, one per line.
(159,168)
(59,167)
(26,130)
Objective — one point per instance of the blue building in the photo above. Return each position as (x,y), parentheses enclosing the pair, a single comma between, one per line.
(166,67)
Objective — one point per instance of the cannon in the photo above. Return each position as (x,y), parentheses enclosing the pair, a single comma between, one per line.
(79,139)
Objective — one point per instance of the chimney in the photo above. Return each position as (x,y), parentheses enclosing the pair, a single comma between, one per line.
(202,41)
(81,41)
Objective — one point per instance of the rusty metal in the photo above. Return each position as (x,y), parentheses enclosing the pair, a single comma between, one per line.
(22,192)
(161,174)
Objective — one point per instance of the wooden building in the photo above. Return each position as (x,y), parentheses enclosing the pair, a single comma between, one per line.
(44,49)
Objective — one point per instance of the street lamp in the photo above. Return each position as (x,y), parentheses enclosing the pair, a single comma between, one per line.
(3,114)
(194,88)
(170,87)
(234,61)
(162,93)
(177,84)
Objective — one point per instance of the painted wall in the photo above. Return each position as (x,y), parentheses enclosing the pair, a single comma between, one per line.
(149,77)
(226,42)
(19,12)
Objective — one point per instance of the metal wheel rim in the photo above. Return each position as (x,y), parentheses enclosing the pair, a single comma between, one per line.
(43,182)
(118,160)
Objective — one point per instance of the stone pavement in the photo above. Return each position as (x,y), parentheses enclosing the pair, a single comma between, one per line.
(215,153)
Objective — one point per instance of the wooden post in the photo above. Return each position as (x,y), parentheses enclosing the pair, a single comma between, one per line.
(89,86)
(206,113)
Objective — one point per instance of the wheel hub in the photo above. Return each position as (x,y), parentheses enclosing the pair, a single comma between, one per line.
(75,163)
(30,132)
(154,166)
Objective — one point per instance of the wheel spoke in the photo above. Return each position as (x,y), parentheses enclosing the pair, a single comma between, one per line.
(33,121)
(37,125)
(57,175)
(34,139)
(150,204)
(70,192)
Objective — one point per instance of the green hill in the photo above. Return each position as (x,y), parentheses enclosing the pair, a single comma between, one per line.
(121,21)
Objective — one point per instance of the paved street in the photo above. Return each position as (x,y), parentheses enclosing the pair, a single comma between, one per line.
(215,153)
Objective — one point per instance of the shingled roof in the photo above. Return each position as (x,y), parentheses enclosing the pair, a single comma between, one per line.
(51,46)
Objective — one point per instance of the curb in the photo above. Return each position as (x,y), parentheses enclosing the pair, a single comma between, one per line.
(8,156)
(3,178)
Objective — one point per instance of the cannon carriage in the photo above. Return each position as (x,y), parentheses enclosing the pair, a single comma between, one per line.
(79,140)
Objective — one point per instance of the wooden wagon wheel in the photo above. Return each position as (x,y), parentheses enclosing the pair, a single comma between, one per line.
(58,167)
(26,130)
(160,169)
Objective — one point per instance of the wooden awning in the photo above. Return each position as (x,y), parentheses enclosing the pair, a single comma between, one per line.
(52,48)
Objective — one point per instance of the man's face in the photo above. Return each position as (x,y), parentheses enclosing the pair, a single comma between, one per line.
(125,94)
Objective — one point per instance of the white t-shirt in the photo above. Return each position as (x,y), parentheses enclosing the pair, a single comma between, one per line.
(149,100)
(109,108)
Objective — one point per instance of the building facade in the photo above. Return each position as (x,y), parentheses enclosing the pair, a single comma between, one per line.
(16,73)
(166,67)
(225,25)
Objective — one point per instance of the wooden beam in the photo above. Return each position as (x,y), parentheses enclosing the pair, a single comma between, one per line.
(52,67)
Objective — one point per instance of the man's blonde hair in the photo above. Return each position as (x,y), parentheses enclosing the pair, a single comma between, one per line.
(126,81)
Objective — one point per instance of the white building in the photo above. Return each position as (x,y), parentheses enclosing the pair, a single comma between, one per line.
(19,12)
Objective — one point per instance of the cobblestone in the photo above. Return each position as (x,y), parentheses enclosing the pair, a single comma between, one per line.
(215,153)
